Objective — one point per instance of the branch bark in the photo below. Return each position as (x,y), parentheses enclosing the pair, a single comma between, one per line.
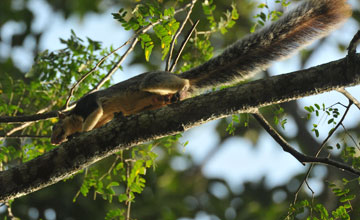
(125,132)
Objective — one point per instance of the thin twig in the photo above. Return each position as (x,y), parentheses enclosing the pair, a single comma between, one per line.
(351,137)
(312,198)
(183,46)
(27,123)
(79,191)
(71,93)
(27,118)
(353,44)
(25,136)
(111,168)
(302,183)
(10,213)
(167,68)
(128,167)
(117,65)
(349,96)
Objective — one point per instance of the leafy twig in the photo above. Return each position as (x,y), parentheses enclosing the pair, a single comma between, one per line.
(320,149)
(332,131)
(25,136)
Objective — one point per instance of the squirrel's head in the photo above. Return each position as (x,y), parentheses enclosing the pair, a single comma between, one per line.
(66,126)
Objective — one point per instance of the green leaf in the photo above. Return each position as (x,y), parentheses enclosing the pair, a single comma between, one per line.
(234,12)
(347,198)
(112,214)
(263,16)
(283,122)
(122,197)
(347,206)
(169,12)
(316,133)
(112,184)
(308,109)
(323,212)
(148,51)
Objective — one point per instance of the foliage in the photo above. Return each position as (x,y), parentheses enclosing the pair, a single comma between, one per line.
(270,15)
(319,211)
(46,91)
(331,112)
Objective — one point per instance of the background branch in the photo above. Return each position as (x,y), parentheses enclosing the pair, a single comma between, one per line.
(302,158)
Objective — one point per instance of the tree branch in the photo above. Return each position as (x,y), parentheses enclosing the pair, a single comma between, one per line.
(302,158)
(125,132)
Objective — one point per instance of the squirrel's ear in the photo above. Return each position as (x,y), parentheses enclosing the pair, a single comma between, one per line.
(61,115)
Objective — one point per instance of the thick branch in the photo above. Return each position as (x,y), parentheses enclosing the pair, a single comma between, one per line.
(126,132)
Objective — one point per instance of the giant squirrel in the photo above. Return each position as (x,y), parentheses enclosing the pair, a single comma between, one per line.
(295,29)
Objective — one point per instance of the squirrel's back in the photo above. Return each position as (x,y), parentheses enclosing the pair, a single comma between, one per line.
(295,29)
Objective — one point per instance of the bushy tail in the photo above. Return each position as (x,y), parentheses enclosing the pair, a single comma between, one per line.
(295,29)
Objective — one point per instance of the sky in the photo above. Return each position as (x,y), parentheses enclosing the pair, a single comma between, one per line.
(237,160)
